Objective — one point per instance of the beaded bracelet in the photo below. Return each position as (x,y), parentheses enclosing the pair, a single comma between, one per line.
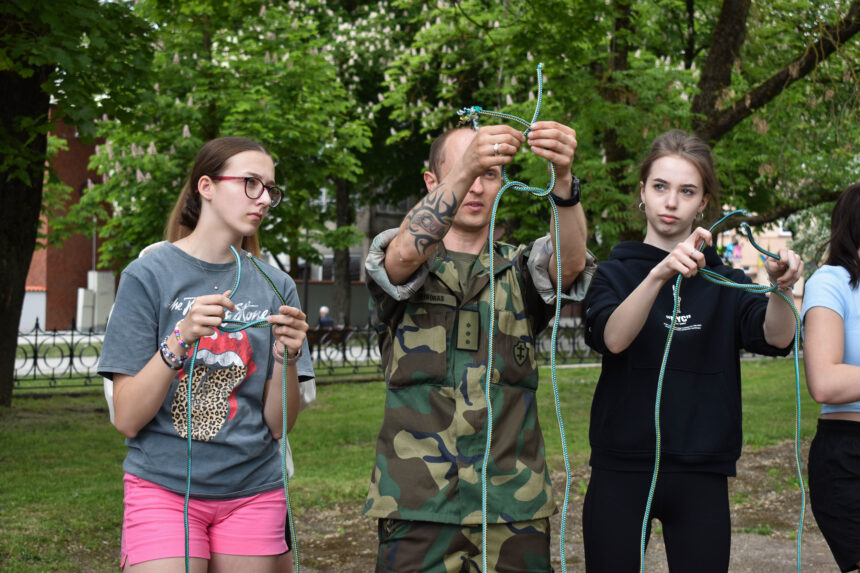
(178,336)
(289,359)
(178,361)
(169,365)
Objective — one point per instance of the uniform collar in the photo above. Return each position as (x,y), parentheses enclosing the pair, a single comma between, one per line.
(445,270)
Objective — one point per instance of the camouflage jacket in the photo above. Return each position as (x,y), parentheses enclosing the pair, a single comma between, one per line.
(434,343)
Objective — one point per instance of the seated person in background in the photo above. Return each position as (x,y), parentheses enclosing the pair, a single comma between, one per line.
(325,320)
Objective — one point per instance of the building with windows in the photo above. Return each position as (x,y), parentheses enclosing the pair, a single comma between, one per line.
(737,251)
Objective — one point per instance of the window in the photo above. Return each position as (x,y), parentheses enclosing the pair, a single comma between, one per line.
(354,268)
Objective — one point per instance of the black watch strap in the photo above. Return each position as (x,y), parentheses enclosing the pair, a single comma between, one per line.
(575,194)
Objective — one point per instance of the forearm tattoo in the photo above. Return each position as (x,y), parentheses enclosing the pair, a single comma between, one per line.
(430,219)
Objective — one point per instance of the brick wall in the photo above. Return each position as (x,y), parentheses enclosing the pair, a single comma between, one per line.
(61,270)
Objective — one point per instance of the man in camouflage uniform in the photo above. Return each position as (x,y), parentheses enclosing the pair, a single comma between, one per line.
(429,282)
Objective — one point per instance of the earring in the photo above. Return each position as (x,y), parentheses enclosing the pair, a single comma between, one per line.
(642,206)
(700,215)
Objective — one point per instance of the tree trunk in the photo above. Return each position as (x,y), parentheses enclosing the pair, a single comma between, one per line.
(20,206)
(618,61)
(717,118)
(690,35)
(343,217)
(619,49)
(713,115)
(726,43)
(209,121)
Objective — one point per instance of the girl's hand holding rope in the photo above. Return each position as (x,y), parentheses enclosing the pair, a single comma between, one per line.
(289,328)
(786,270)
(780,320)
(205,315)
(686,258)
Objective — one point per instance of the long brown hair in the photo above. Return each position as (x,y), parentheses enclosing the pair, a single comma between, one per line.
(210,161)
(845,233)
(685,146)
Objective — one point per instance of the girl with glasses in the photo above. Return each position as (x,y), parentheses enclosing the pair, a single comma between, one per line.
(178,296)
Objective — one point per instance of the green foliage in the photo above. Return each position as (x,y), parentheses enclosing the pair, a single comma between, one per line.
(355,91)
(240,69)
(811,229)
(621,76)
(82,63)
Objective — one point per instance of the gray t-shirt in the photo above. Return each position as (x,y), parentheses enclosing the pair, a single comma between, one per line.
(233,452)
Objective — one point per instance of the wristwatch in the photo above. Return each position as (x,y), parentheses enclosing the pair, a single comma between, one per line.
(575,194)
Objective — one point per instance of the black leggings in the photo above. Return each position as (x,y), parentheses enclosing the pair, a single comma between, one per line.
(693,509)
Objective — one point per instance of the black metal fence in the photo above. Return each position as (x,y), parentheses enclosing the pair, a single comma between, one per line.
(53,359)
(68,359)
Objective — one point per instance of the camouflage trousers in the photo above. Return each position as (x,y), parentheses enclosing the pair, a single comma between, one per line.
(427,547)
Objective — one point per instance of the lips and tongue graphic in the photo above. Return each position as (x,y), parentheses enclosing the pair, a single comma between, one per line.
(222,363)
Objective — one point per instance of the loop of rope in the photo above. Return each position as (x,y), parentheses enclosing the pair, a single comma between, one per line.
(471,114)
(229,325)
(720,280)
(745,229)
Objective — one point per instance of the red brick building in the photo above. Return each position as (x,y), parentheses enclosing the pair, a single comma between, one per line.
(56,273)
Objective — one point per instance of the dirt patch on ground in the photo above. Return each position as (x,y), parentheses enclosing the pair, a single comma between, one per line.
(765,511)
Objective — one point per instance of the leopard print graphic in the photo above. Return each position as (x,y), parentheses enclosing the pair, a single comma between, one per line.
(209,403)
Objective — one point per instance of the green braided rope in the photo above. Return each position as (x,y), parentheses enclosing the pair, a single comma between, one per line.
(658,438)
(472,113)
(745,229)
(721,280)
(228,325)
(294,542)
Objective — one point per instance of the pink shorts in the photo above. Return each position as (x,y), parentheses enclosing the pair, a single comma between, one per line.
(153,525)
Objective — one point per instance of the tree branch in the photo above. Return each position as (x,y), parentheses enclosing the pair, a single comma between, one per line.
(726,43)
(690,35)
(782,211)
(718,123)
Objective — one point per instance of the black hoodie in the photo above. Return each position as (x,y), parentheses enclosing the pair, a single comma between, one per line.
(701,405)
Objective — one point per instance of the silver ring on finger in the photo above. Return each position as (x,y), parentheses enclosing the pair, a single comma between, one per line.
(495,149)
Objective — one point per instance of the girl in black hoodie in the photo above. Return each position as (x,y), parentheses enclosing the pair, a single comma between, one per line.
(629,310)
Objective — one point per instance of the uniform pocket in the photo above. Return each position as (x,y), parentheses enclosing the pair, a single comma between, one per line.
(419,347)
(514,348)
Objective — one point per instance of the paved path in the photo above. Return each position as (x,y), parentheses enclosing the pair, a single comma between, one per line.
(755,553)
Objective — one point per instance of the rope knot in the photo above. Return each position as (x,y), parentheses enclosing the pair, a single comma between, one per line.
(470,115)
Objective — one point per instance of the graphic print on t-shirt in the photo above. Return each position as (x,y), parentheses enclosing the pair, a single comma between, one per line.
(682,321)
(222,364)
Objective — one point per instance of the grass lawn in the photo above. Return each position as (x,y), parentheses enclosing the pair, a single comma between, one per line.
(61,493)
(60,459)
